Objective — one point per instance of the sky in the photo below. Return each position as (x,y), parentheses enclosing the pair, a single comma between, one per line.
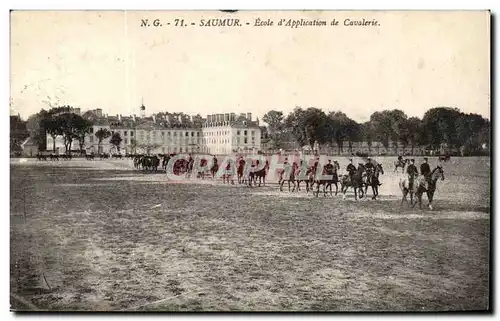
(411,61)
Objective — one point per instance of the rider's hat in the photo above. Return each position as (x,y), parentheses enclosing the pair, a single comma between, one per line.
(350,159)
(425,159)
(412,160)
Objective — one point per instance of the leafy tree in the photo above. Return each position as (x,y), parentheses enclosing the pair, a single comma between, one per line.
(296,126)
(116,140)
(439,126)
(101,134)
(367,134)
(414,132)
(73,127)
(83,127)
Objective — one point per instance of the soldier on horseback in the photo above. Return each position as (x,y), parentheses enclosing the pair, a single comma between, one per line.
(425,170)
(351,169)
(369,167)
(412,172)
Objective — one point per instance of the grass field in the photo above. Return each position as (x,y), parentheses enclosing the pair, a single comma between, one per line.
(99,236)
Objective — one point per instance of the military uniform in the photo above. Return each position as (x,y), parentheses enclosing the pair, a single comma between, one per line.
(412,172)
(351,169)
(329,168)
(425,170)
(369,171)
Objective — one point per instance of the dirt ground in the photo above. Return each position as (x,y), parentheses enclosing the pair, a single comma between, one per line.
(97,235)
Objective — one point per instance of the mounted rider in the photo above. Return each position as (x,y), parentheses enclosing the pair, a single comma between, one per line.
(412,172)
(351,169)
(370,168)
(329,167)
(425,170)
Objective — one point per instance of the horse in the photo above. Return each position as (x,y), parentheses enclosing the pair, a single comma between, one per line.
(421,185)
(288,174)
(54,157)
(260,174)
(310,173)
(328,183)
(375,182)
(401,163)
(41,156)
(355,182)
(228,177)
(215,168)
(240,171)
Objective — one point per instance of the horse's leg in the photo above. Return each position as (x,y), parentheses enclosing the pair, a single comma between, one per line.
(281,185)
(411,198)
(405,192)
(430,196)
(336,188)
(317,189)
(374,192)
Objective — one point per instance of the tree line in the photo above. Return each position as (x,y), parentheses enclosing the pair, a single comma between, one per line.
(460,132)
(441,126)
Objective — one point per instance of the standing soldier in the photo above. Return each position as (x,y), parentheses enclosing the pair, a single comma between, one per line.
(412,172)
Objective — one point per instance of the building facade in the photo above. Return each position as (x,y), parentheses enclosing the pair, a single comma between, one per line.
(218,134)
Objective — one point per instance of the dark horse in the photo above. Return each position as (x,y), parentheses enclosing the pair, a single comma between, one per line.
(421,186)
(260,174)
(356,182)
(328,183)
(375,182)
(288,174)
(310,173)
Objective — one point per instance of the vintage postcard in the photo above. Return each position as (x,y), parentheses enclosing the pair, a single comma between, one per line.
(250,161)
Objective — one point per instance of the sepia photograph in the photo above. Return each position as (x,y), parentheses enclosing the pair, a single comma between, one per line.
(250,161)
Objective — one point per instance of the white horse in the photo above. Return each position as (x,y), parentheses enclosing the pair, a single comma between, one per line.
(421,185)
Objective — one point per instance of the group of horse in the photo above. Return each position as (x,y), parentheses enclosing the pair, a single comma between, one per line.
(53,157)
(358,180)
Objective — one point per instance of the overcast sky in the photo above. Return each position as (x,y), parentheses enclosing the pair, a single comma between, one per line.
(413,61)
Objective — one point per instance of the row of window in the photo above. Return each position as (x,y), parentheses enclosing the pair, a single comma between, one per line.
(226,141)
(186,134)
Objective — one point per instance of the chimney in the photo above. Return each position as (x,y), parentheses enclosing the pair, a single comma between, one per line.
(98,112)
(249,116)
(154,118)
(120,117)
(133,117)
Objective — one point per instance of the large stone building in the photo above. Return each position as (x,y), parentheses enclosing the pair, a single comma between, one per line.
(218,134)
